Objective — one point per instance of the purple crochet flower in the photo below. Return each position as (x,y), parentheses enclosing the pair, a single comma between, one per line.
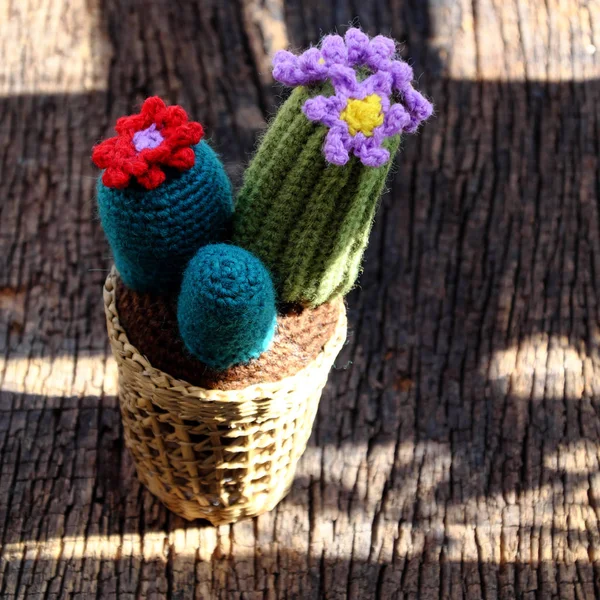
(360,114)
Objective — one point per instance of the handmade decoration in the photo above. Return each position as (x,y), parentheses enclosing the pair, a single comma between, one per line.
(310,194)
(163,194)
(225,323)
(226,309)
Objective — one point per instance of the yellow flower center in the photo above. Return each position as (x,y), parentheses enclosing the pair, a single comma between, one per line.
(363,115)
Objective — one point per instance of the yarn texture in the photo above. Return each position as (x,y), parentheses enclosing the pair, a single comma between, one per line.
(373,98)
(154,233)
(306,219)
(226,309)
(158,138)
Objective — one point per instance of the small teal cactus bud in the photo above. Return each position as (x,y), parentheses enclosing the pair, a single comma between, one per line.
(226,309)
(163,194)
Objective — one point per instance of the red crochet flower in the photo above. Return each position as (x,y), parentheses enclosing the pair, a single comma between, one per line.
(159,136)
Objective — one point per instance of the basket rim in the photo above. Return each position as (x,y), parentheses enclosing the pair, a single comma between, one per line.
(118,336)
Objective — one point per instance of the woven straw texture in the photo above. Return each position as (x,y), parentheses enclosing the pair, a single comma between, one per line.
(214,454)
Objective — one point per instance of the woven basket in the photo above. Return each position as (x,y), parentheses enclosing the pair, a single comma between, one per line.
(214,454)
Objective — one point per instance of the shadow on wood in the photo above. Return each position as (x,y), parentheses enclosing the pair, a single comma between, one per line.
(455,450)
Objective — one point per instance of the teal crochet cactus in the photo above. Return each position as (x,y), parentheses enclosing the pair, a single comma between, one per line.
(154,232)
(226,309)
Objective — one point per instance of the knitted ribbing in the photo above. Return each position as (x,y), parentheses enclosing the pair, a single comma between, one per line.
(306,219)
(226,308)
(153,233)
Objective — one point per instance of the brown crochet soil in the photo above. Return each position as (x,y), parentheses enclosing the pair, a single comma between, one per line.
(151,326)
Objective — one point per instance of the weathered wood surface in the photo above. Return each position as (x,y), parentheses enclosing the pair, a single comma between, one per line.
(456,451)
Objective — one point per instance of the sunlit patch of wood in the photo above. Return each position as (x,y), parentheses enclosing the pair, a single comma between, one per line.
(548,538)
(526,41)
(267,32)
(578,457)
(69,52)
(268,16)
(51,379)
(541,366)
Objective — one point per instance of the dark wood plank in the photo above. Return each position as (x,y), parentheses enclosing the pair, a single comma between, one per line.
(456,449)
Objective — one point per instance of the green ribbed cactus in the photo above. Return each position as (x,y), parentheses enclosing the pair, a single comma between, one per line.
(307,219)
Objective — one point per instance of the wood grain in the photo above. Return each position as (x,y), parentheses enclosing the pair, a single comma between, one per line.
(456,450)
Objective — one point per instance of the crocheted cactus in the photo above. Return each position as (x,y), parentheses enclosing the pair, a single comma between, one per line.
(181,198)
(226,309)
(310,194)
